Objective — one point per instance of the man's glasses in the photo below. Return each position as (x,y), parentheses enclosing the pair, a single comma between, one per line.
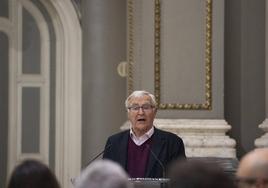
(145,107)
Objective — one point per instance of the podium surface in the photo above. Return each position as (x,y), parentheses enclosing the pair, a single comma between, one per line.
(149,182)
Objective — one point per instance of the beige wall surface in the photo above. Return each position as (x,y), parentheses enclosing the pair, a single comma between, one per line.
(104,91)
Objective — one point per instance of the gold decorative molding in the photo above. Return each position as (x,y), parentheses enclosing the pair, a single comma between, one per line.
(130,47)
(207,105)
(157,48)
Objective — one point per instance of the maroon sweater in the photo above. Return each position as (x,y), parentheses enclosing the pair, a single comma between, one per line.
(137,158)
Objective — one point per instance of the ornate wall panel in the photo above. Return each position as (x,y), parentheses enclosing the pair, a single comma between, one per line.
(175,50)
(170,52)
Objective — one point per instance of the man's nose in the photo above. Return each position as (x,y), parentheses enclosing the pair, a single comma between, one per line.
(141,110)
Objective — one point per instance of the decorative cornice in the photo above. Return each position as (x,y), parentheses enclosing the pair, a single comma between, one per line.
(263,140)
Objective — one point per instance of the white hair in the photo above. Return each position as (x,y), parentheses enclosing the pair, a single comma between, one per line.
(140,93)
(102,174)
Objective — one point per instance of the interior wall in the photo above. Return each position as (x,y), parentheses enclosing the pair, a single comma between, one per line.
(4,44)
(244,70)
(4,11)
(104,91)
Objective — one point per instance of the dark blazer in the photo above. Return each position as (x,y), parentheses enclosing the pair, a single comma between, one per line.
(166,146)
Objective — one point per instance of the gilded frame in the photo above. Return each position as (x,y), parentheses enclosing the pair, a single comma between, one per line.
(207,105)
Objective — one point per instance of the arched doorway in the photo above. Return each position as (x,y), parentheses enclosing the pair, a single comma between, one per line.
(44,85)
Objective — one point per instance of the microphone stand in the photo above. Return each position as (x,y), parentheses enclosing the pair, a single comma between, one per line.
(90,161)
(158,160)
(93,159)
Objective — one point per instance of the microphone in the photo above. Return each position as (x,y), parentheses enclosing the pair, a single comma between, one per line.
(94,158)
(158,160)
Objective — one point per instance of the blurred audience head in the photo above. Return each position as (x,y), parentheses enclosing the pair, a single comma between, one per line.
(102,174)
(253,169)
(198,174)
(32,174)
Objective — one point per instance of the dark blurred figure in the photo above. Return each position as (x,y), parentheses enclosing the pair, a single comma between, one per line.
(32,174)
(198,174)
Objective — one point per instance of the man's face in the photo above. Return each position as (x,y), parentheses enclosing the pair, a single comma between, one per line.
(250,176)
(141,114)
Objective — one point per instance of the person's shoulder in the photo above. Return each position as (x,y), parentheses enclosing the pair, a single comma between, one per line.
(119,134)
(168,134)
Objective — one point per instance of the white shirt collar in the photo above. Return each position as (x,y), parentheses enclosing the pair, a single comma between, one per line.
(140,140)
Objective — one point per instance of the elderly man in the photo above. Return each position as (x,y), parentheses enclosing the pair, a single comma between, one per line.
(143,151)
(253,169)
